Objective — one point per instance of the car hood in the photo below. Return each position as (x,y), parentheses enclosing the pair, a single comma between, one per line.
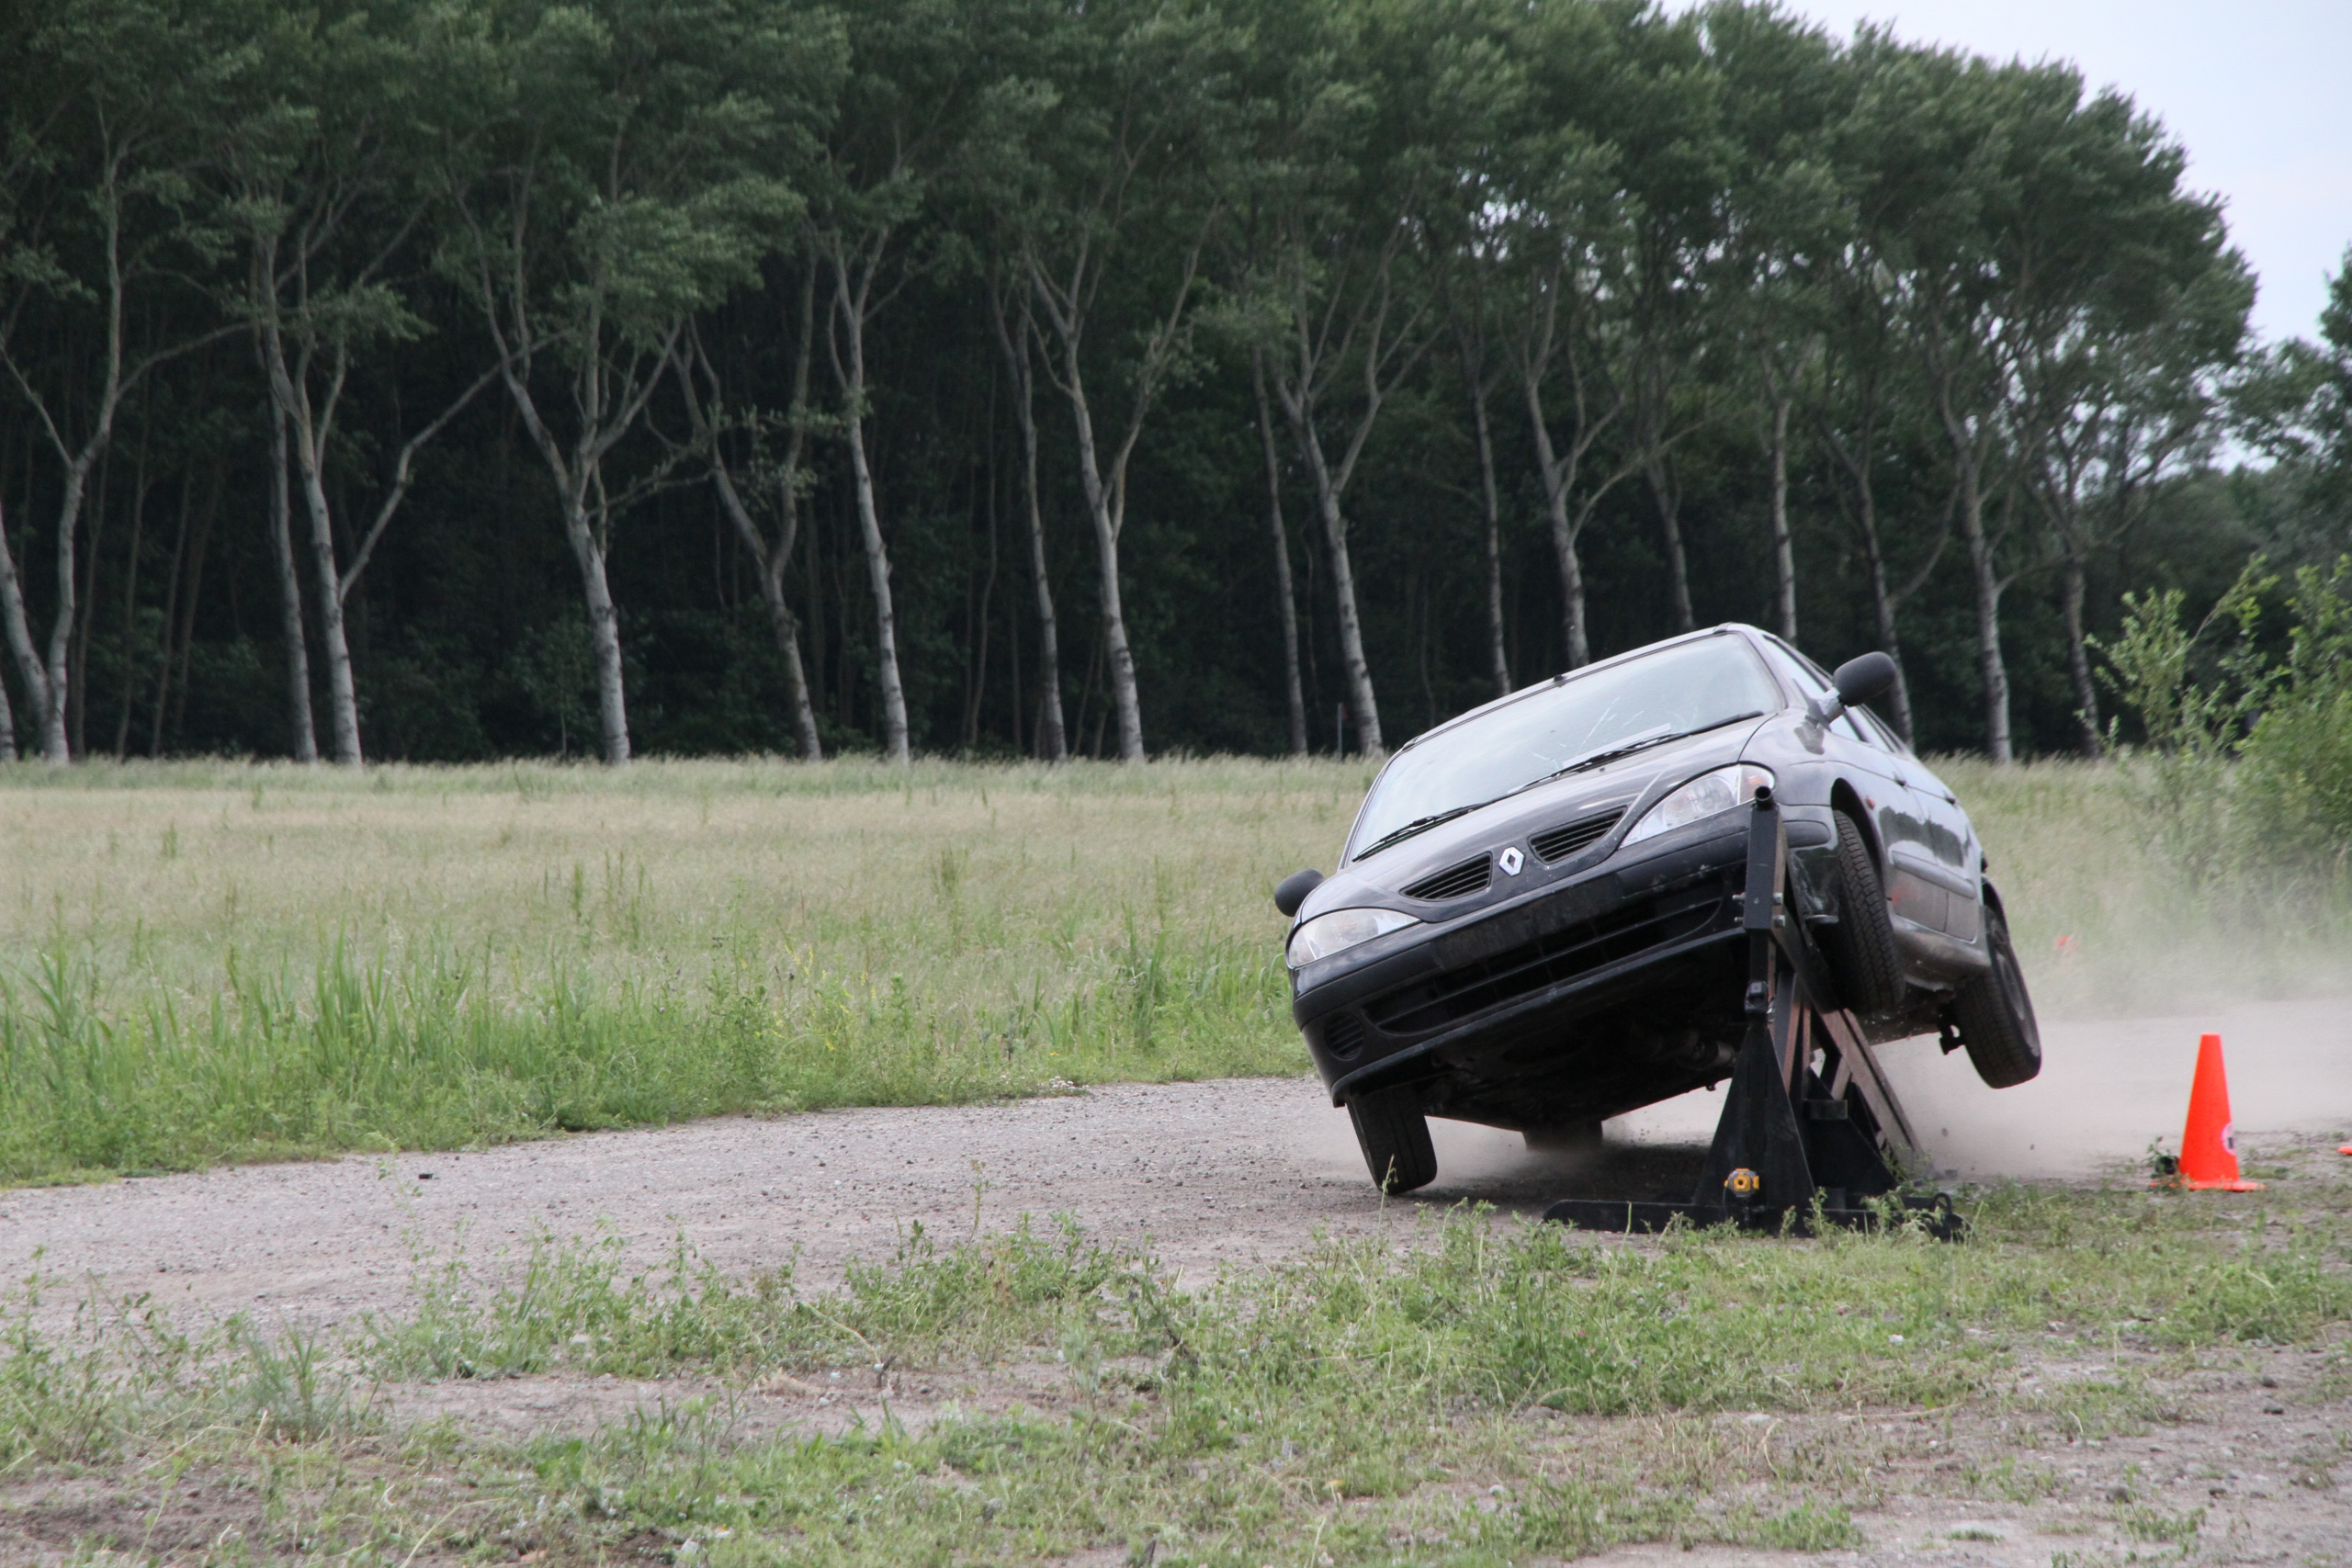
(1628,787)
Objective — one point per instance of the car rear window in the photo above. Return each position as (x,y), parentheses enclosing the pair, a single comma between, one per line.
(1684,688)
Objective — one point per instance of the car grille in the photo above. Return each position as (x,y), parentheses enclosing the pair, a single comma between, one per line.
(1472,987)
(1455,881)
(1343,1034)
(1558,843)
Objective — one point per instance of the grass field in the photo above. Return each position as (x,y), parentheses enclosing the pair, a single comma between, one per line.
(219,961)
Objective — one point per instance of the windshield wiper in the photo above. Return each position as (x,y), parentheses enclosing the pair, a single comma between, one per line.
(1627,748)
(1418,825)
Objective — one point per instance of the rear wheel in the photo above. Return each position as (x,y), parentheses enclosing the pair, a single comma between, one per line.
(1996,1016)
(1860,946)
(1394,1137)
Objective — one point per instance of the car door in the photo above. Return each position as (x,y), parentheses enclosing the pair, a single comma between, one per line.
(1947,853)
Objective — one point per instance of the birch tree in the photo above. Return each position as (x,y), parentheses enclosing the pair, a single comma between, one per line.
(1351,122)
(1125,159)
(1783,94)
(1865,404)
(907,99)
(780,485)
(631,182)
(110,248)
(321,174)
(1286,595)
(1561,253)
(2123,403)
(1015,335)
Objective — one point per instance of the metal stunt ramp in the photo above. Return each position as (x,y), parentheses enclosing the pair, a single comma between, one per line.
(1812,1133)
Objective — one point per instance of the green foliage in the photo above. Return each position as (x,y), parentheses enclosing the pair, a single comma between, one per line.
(2250,764)
(1689,250)
(2298,760)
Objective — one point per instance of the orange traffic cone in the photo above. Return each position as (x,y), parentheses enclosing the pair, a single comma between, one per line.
(2208,1148)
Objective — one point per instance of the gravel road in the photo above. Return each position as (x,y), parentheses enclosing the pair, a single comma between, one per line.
(1216,1175)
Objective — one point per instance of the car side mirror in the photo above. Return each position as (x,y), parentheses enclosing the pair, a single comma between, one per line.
(1864,678)
(1291,890)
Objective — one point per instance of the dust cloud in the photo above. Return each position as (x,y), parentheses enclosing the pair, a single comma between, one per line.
(2107,1089)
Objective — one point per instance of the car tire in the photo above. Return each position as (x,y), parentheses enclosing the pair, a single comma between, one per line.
(1860,946)
(1394,1137)
(1996,1016)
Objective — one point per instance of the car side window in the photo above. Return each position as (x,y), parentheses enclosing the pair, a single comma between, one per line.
(1810,680)
(1883,731)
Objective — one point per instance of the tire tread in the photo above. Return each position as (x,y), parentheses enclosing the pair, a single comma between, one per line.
(1861,945)
(1394,1137)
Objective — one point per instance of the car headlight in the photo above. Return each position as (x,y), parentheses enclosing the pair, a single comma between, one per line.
(1704,796)
(1339,931)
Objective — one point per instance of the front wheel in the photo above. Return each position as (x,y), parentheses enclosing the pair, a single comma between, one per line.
(1996,1016)
(1860,946)
(1394,1137)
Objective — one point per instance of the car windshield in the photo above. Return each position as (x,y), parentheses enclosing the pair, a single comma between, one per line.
(1580,722)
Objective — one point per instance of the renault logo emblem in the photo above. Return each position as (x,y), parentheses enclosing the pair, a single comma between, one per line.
(1513,860)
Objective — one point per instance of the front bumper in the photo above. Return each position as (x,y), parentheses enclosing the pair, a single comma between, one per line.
(1582,1000)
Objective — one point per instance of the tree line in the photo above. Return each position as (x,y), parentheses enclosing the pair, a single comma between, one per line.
(446,379)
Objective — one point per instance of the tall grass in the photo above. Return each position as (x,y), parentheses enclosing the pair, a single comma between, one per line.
(219,961)
(2114,913)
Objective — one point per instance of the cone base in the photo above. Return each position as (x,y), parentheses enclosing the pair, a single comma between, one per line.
(2347,1149)
(2237,1186)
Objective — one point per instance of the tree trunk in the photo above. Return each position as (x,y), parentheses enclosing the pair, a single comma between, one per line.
(781,619)
(1670,523)
(77,698)
(343,697)
(1292,688)
(1575,628)
(977,692)
(1784,558)
(7,726)
(171,615)
(1492,517)
(603,623)
(1988,610)
(1883,606)
(2078,661)
(1108,516)
(1053,739)
(770,559)
(290,595)
(849,312)
(796,674)
(130,606)
(20,639)
(1363,705)
(187,654)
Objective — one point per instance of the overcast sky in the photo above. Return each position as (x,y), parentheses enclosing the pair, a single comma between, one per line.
(2259,92)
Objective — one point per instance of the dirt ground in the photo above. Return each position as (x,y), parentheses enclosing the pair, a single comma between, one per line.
(1233,1174)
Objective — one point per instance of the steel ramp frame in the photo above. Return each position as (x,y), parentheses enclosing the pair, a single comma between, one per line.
(1812,1133)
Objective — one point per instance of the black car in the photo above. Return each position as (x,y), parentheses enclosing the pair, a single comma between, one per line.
(1535,923)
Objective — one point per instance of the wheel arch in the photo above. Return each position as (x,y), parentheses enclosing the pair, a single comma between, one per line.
(1844,797)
